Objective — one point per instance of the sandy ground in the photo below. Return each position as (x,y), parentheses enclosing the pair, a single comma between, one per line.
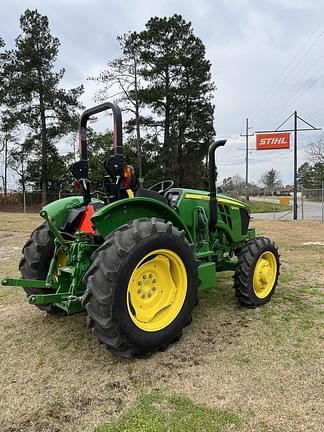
(266,365)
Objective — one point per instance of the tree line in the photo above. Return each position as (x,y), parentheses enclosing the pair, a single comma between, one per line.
(270,181)
(162,81)
(311,173)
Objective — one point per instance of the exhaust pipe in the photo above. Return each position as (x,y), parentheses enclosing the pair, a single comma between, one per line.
(212,183)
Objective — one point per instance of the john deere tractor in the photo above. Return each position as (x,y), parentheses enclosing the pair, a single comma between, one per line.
(136,259)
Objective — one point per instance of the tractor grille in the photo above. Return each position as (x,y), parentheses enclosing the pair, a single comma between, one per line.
(224,213)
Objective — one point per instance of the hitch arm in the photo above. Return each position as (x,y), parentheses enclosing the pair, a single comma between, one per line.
(54,230)
(25,283)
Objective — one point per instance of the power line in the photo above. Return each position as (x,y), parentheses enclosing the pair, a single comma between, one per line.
(316,113)
(293,100)
(301,77)
(288,71)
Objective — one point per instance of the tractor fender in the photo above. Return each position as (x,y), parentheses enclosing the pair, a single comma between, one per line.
(60,209)
(118,213)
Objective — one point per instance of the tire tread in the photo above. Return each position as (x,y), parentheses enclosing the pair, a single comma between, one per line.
(99,295)
(243,276)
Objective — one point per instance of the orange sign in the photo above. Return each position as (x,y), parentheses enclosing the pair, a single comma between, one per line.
(272,141)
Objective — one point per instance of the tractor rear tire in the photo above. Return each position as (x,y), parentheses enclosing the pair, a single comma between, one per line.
(141,288)
(34,264)
(257,271)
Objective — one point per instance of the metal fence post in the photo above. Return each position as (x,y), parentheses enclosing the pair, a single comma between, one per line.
(322,201)
(24,199)
(302,201)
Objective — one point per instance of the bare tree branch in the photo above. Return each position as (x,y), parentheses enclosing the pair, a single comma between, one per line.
(316,151)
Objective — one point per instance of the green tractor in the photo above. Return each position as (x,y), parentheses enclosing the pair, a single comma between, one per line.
(136,260)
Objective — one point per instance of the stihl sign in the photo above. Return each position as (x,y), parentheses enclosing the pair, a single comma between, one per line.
(272,141)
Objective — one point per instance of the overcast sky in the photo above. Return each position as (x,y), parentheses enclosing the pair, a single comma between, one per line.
(267,60)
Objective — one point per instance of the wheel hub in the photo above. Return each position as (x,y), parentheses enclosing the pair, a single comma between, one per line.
(147,285)
(264,272)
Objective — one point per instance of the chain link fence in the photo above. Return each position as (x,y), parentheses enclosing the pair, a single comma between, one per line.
(312,203)
(28,202)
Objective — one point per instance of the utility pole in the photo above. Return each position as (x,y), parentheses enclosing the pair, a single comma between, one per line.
(247,135)
(295,165)
(295,130)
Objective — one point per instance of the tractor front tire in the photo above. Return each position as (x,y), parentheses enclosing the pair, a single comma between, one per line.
(257,271)
(141,288)
(34,264)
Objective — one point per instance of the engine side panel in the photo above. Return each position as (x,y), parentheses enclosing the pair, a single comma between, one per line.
(232,218)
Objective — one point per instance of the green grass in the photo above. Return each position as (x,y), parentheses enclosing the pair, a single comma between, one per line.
(267,207)
(255,369)
(159,413)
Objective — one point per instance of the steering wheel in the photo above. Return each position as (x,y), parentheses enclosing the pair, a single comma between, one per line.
(162,187)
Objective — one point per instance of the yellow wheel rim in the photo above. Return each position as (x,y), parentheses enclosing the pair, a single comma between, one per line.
(156,290)
(265,273)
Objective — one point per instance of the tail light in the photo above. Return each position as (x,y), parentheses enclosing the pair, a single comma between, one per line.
(77,185)
(128,177)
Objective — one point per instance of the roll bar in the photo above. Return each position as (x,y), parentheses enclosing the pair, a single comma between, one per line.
(80,169)
(118,138)
(212,182)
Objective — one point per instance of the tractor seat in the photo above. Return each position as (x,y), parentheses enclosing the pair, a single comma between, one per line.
(147,193)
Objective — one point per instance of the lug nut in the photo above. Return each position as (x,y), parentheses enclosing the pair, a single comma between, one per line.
(145,277)
(143,296)
(154,280)
(139,291)
(140,283)
(150,275)
(149,295)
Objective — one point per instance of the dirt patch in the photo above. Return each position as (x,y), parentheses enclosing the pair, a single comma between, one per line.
(266,364)
(313,243)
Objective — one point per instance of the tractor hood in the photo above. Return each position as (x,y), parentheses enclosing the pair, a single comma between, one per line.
(223,199)
(232,201)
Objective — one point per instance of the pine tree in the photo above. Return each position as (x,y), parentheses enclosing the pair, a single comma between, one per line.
(33,96)
(311,176)
(271,179)
(305,175)
(2,61)
(179,91)
(122,81)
